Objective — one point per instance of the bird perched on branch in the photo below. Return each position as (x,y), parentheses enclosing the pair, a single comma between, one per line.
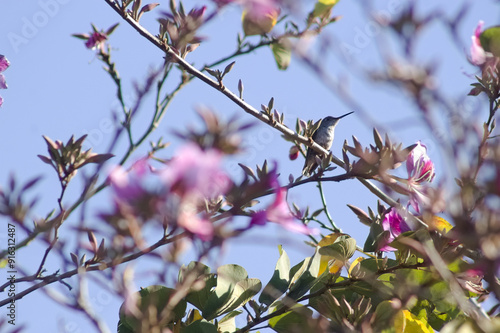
(323,136)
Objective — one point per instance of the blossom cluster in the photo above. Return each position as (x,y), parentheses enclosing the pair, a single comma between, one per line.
(421,171)
(187,193)
(4,64)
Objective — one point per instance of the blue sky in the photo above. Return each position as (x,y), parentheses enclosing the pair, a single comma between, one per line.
(57,88)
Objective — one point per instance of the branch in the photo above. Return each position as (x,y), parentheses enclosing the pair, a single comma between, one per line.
(233,97)
(95,267)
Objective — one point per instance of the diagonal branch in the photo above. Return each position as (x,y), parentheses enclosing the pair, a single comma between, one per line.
(238,101)
(94,267)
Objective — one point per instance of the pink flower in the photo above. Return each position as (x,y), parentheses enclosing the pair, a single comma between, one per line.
(472,280)
(395,224)
(293,153)
(419,166)
(4,64)
(279,212)
(420,169)
(96,40)
(128,185)
(477,53)
(197,225)
(196,173)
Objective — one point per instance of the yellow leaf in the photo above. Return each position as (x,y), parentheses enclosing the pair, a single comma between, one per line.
(323,8)
(328,261)
(407,322)
(354,264)
(439,224)
(329,239)
(328,2)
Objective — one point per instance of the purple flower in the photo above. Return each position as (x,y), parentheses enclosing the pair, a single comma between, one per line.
(419,166)
(395,224)
(293,153)
(4,64)
(477,53)
(197,225)
(279,212)
(196,173)
(96,41)
(420,170)
(128,185)
(197,14)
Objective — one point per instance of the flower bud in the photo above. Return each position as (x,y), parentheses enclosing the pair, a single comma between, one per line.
(294,153)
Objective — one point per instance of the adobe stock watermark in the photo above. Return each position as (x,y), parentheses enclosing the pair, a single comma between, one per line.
(363,35)
(109,124)
(31,24)
(96,136)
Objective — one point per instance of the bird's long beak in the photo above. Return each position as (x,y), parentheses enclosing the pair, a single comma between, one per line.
(346,114)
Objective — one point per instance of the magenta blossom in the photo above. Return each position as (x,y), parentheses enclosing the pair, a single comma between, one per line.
(419,166)
(395,224)
(420,170)
(128,185)
(96,41)
(197,225)
(196,173)
(472,280)
(477,53)
(4,64)
(279,212)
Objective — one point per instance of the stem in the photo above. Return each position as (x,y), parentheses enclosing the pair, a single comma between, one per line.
(325,208)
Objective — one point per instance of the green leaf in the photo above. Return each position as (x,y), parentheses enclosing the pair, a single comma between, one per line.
(383,316)
(490,40)
(228,322)
(282,52)
(342,249)
(295,320)
(215,73)
(374,237)
(279,281)
(124,328)
(305,277)
(112,28)
(200,326)
(227,278)
(198,298)
(243,291)
(155,296)
(323,8)
(325,304)
(228,68)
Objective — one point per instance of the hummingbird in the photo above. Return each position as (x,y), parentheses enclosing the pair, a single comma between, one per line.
(323,136)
